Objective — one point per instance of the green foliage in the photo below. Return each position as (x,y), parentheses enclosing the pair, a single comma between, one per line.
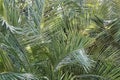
(1,8)
(59,40)
(17,76)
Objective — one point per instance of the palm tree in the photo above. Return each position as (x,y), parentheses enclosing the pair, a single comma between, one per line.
(59,40)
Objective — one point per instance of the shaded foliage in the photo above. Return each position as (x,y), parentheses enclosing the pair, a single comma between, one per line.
(59,40)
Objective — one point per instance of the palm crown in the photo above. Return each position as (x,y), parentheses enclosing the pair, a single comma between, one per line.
(59,40)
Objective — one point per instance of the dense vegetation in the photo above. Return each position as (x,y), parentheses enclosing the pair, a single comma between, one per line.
(59,40)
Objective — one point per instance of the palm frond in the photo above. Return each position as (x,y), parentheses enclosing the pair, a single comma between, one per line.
(11,41)
(17,76)
(77,57)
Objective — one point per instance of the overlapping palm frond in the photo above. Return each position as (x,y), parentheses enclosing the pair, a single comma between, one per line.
(17,76)
(52,39)
(12,55)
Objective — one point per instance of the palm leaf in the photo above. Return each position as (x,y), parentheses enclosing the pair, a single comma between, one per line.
(17,76)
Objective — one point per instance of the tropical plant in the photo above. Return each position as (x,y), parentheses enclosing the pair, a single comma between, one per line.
(59,40)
